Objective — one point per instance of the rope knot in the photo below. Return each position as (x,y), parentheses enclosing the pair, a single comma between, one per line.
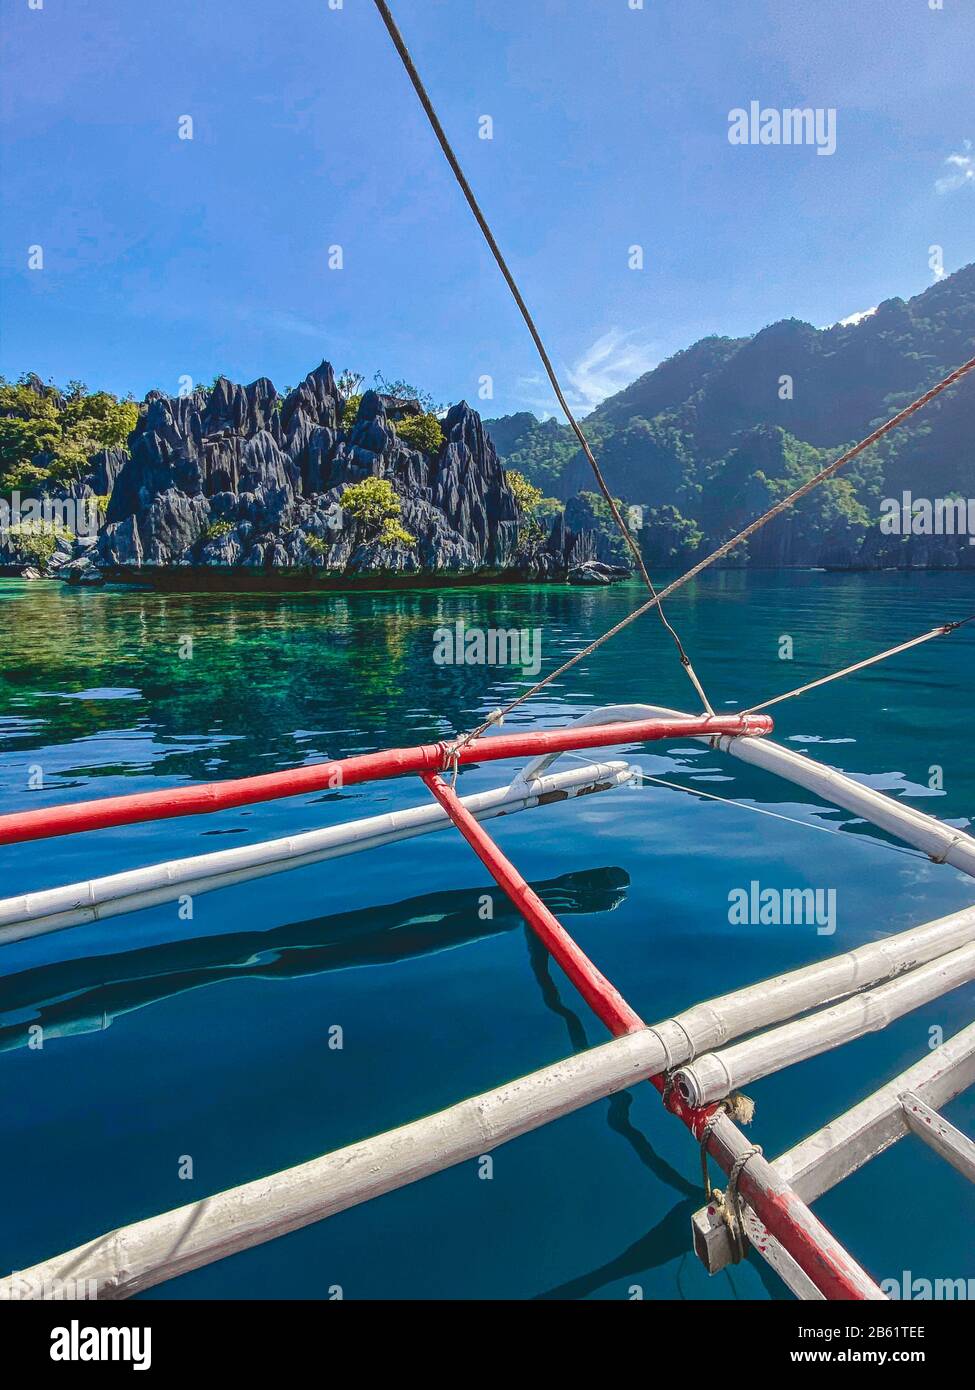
(728,1203)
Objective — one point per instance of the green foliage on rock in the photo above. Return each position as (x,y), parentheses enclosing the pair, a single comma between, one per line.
(34,542)
(526,494)
(533,505)
(392,533)
(350,410)
(668,538)
(421,432)
(598,505)
(373,503)
(316,545)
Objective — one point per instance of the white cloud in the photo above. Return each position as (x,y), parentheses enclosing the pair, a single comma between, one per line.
(612,362)
(858,317)
(962,168)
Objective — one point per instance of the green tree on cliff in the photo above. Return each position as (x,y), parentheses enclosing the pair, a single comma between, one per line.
(48,436)
(375,505)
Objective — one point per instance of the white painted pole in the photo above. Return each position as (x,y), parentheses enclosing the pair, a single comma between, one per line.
(148,1252)
(940,1135)
(717,1074)
(53,909)
(943,843)
(832,1153)
(717,1021)
(139,1256)
(154,1250)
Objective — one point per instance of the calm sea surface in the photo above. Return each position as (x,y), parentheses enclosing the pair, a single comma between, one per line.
(209,1038)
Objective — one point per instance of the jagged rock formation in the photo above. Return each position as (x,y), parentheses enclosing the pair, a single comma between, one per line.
(238,479)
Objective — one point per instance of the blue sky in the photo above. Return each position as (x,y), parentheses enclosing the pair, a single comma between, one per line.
(166,257)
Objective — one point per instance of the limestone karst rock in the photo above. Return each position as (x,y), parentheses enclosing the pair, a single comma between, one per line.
(238,477)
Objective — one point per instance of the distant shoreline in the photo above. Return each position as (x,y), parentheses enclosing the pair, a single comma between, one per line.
(192,579)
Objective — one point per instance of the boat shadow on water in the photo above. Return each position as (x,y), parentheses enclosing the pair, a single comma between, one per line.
(77,996)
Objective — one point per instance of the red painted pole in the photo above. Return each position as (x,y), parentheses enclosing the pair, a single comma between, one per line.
(603,998)
(344,772)
(817,1252)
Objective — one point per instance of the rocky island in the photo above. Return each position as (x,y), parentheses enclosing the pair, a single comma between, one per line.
(324,486)
(238,486)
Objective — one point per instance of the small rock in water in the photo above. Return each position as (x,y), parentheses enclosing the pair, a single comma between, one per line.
(81,571)
(595,573)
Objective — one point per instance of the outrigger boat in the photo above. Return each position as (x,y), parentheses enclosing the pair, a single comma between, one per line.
(697,1060)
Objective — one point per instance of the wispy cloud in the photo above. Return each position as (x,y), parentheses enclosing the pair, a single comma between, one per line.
(853,319)
(613,361)
(280,321)
(962,171)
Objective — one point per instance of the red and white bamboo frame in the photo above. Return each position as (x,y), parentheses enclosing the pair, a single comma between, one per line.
(829,1267)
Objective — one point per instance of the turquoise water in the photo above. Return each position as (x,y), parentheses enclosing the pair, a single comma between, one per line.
(209,1038)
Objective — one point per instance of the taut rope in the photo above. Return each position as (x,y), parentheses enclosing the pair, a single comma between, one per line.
(496,252)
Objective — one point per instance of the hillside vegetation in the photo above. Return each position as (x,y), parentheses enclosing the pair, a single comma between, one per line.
(715,434)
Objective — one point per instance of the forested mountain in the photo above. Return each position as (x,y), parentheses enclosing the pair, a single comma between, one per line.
(713,435)
(325,479)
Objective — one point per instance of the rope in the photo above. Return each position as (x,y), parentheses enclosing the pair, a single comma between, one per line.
(776,815)
(759,810)
(728,1203)
(942,631)
(732,1203)
(657,597)
(438,130)
(709,1124)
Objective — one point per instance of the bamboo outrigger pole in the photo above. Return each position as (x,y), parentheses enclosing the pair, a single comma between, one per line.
(93,900)
(206,797)
(945,844)
(815,1250)
(840,1148)
(137,1257)
(718,1074)
(817,1260)
(149,1252)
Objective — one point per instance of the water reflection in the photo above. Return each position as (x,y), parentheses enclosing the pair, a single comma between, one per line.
(274,679)
(86,995)
(667,1240)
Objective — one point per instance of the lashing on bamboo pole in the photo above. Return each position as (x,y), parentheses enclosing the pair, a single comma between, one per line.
(717,1074)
